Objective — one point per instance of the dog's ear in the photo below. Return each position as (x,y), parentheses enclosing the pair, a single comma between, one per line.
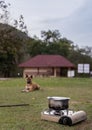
(31,76)
(26,75)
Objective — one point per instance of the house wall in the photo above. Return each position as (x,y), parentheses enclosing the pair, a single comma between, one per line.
(38,71)
(46,71)
(29,71)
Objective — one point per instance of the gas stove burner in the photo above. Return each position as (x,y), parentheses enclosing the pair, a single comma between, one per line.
(59,111)
(65,117)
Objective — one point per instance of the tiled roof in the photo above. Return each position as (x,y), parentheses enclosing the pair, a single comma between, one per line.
(47,61)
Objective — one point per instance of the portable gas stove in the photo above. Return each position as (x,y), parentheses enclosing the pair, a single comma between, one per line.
(59,112)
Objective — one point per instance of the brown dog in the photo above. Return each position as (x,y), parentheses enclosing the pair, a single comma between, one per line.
(30,86)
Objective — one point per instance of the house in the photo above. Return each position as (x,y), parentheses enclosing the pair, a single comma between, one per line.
(47,65)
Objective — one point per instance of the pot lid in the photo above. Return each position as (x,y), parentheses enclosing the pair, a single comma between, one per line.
(58,98)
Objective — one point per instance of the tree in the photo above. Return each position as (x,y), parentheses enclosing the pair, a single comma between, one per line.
(51,44)
(5,18)
(35,47)
(4,13)
(50,36)
(20,24)
(12,41)
(87,51)
(78,55)
(65,46)
(12,49)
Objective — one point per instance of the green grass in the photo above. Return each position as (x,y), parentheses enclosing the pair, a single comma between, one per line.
(29,117)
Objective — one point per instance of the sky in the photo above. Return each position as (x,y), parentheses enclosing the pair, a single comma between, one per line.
(73,18)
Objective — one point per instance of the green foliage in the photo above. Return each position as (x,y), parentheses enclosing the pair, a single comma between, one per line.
(20,24)
(35,47)
(51,44)
(4,13)
(50,36)
(16,45)
(29,117)
(12,49)
(77,56)
(6,19)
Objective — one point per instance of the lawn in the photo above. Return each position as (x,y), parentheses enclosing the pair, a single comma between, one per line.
(29,117)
